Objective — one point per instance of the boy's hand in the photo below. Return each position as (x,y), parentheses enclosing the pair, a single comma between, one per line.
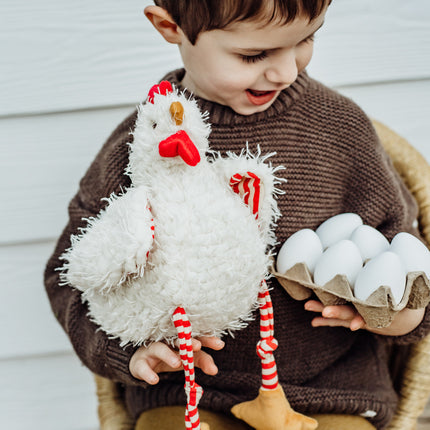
(147,362)
(347,316)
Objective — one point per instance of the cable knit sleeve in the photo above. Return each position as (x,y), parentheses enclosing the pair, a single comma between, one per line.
(97,351)
(374,188)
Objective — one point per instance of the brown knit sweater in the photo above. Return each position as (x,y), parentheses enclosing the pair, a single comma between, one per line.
(334,163)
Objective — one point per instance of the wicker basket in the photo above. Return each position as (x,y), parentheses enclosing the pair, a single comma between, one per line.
(415,172)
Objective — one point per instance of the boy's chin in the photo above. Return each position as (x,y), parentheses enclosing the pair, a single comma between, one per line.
(250,110)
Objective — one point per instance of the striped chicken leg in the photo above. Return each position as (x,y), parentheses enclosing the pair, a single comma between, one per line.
(267,343)
(193,390)
(271,409)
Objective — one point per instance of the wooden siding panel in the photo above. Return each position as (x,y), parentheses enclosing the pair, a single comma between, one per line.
(373,41)
(49,393)
(73,55)
(42,159)
(28,324)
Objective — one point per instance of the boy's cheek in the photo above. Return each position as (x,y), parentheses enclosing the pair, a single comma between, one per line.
(304,62)
(227,83)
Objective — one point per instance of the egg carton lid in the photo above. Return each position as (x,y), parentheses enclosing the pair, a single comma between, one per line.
(378,310)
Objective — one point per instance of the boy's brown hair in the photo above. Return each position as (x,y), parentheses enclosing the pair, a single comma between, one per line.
(196,16)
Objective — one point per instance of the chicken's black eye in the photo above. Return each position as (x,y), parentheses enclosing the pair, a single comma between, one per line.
(154,125)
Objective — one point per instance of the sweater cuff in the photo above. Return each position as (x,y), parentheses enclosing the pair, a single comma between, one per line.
(417,334)
(117,364)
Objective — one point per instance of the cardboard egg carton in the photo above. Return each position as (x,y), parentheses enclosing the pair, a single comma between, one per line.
(377,311)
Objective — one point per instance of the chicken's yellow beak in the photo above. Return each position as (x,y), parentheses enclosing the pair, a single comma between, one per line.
(177,112)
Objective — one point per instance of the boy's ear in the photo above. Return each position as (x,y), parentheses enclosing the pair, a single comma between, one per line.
(164,24)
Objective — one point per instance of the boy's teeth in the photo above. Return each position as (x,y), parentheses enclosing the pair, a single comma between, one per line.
(258,93)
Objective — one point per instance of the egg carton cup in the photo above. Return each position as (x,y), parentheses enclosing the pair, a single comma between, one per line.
(378,310)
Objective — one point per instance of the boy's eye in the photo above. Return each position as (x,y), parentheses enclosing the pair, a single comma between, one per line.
(254,58)
(309,39)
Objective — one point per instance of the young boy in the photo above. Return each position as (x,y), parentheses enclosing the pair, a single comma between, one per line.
(245,63)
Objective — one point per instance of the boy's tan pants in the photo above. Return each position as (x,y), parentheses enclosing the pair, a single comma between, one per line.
(172,418)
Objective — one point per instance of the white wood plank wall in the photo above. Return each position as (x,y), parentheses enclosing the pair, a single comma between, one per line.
(69,72)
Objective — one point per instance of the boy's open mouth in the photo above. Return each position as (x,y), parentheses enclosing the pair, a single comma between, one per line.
(259,97)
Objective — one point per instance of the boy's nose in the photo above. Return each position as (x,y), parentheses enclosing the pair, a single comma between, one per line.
(283,70)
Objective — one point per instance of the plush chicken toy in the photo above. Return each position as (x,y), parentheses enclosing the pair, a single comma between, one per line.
(184,251)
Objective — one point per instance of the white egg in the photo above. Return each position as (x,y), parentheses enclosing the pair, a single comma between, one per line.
(342,258)
(337,228)
(304,246)
(384,270)
(413,253)
(369,241)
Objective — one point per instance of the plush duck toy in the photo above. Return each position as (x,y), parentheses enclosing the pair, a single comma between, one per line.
(184,251)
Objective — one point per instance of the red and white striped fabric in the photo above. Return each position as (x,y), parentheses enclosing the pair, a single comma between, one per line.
(152,226)
(267,343)
(248,186)
(193,391)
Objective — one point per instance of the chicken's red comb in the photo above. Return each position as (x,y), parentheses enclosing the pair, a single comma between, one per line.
(163,88)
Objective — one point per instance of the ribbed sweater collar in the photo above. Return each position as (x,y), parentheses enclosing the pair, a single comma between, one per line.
(223,115)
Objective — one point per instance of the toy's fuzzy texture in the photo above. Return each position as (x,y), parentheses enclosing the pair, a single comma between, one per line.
(209,253)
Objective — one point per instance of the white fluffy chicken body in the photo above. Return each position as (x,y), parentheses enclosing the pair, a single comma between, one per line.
(207,252)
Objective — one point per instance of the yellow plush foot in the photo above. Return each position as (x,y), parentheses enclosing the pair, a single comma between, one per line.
(271,411)
(204,426)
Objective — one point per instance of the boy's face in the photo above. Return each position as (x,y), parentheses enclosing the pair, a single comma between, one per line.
(247,65)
